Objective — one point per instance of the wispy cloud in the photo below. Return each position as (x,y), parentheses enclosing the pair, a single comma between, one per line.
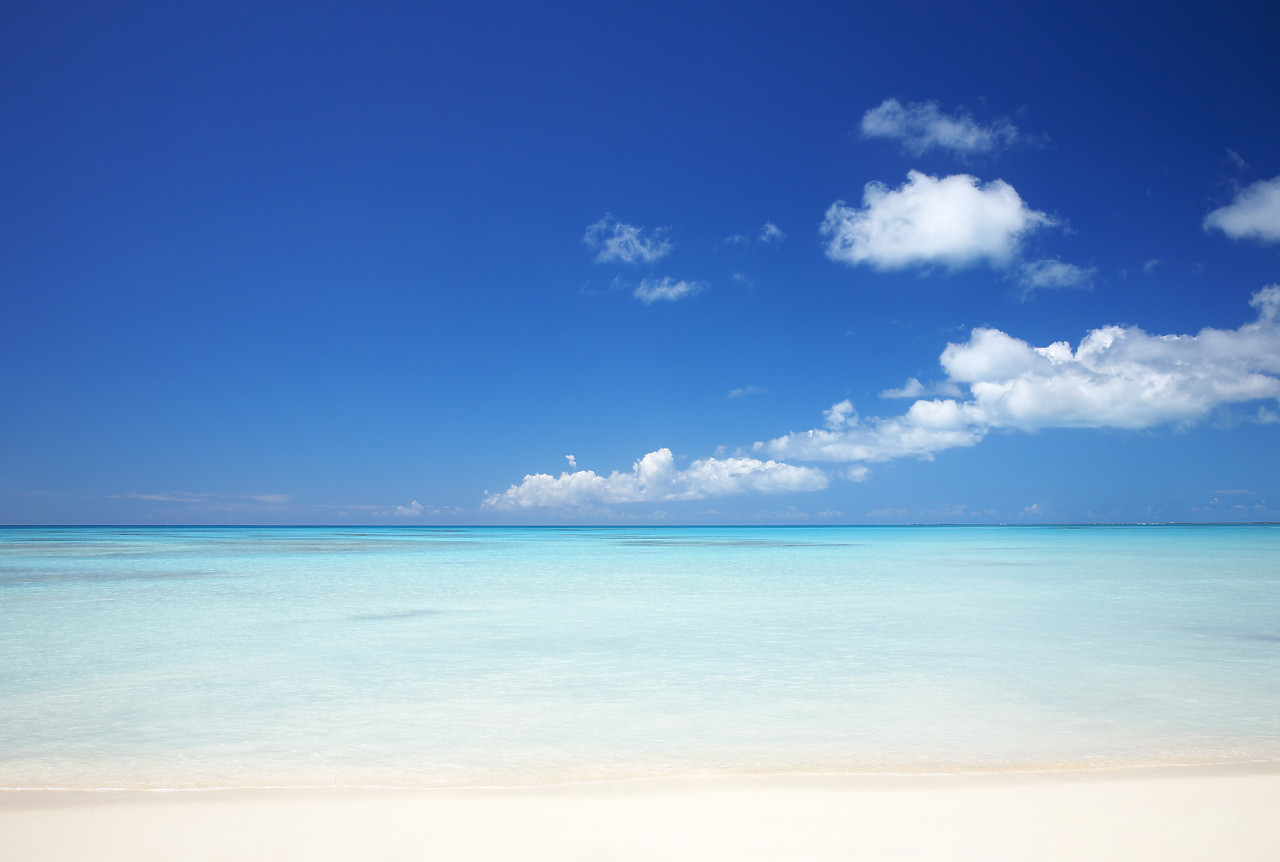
(768,234)
(746,390)
(923,126)
(613,240)
(913,388)
(1254,214)
(955,222)
(1054,275)
(653,290)
(205,498)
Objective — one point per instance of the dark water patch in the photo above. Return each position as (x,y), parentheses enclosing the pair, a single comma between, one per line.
(315,547)
(1264,637)
(397,615)
(83,549)
(1206,633)
(17,578)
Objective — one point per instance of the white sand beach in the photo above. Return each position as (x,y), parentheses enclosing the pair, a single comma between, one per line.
(1199,813)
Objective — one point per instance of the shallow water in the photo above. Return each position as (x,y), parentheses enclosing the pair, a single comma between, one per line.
(181,657)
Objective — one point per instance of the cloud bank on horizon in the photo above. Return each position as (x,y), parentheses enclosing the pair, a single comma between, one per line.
(656,478)
(1117,377)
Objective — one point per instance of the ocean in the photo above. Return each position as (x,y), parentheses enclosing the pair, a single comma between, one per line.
(481,656)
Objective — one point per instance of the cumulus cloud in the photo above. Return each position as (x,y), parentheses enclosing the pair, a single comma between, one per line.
(655,477)
(923,126)
(955,221)
(613,240)
(412,510)
(653,290)
(1054,275)
(840,414)
(1117,377)
(1254,214)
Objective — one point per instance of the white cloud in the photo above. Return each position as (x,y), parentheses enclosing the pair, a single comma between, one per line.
(1255,213)
(613,240)
(655,477)
(1150,266)
(954,221)
(653,290)
(412,510)
(747,390)
(1118,377)
(573,462)
(921,126)
(1054,275)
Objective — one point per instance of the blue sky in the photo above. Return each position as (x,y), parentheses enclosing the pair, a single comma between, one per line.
(653,263)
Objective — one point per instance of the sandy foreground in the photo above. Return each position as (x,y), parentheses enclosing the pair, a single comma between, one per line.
(1222,813)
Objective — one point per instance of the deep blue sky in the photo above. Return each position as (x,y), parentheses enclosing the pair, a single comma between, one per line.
(326,264)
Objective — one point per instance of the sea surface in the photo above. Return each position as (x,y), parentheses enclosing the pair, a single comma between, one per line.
(269,657)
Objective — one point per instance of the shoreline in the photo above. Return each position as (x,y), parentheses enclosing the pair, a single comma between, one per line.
(1261,765)
(1165,812)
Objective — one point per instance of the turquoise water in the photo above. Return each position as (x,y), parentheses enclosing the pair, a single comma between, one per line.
(196,657)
